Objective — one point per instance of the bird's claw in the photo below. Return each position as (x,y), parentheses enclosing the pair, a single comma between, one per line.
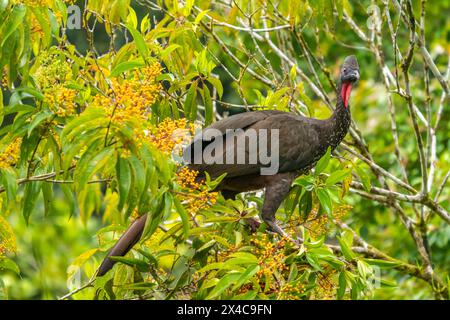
(274,227)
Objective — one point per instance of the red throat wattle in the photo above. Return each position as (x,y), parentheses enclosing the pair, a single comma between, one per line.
(345,93)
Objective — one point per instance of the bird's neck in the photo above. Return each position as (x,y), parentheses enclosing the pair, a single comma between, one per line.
(339,122)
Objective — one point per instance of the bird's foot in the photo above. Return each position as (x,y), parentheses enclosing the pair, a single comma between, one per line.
(274,227)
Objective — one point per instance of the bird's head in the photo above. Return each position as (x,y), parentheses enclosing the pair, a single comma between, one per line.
(349,75)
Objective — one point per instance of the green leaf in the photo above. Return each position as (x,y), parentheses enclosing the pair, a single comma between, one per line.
(138,182)
(293,73)
(8,264)
(17,15)
(183,215)
(200,16)
(217,84)
(155,216)
(223,284)
(291,202)
(190,104)
(293,273)
(89,164)
(337,176)
(22,108)
(382,263)
(215,265)
(123,179)
(139,41)
(250,272)
(305,204)
(142,266)
(244,257)
(47,192)
(249,295)
(275,98)
(209,112)
(151,259)
(388,283)
(339,4)
(31,92)
(346,251)
(322,164)
(164,53)
(171,232)
(363,268)
(145,24)
(342,286)
(88,121)
(79,262)
(325,201)
(37,120)
(126,66)
(31,193)
(365,178)
(313,261)
(139,286)
(132,18)
(306,182)
(8,179)
(75,147)
(207,245)
(119,10)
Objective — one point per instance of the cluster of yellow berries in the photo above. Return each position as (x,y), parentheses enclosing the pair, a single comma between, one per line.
(199,197)
(171,133)
(201,201)
(341,211)
(52,74)
(321,224)
(11,154)
(153,241)
(271,259)
(187,178)
(326,286)
(131,99)
(61,100)
(222,255)
(5,78)
(271,256)
(52,70)
(7,237)
(245,288)
(317,224)
(290,291)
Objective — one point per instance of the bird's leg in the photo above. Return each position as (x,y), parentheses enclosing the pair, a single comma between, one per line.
(277,189)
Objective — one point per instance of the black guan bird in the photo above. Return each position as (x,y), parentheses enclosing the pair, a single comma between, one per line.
(302,142)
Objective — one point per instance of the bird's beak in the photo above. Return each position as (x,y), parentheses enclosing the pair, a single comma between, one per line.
(353,76)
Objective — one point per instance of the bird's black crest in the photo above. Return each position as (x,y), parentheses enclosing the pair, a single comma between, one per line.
(350,62)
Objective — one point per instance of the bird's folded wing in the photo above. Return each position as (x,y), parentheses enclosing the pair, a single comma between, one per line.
(295,141)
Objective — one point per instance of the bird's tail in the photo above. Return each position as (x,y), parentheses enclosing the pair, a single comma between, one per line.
(130,237)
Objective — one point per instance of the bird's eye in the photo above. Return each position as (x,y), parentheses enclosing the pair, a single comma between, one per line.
(344,70)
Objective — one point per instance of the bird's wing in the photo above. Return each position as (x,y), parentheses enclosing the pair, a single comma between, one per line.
(238,121)
(242,120)
(296,142)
